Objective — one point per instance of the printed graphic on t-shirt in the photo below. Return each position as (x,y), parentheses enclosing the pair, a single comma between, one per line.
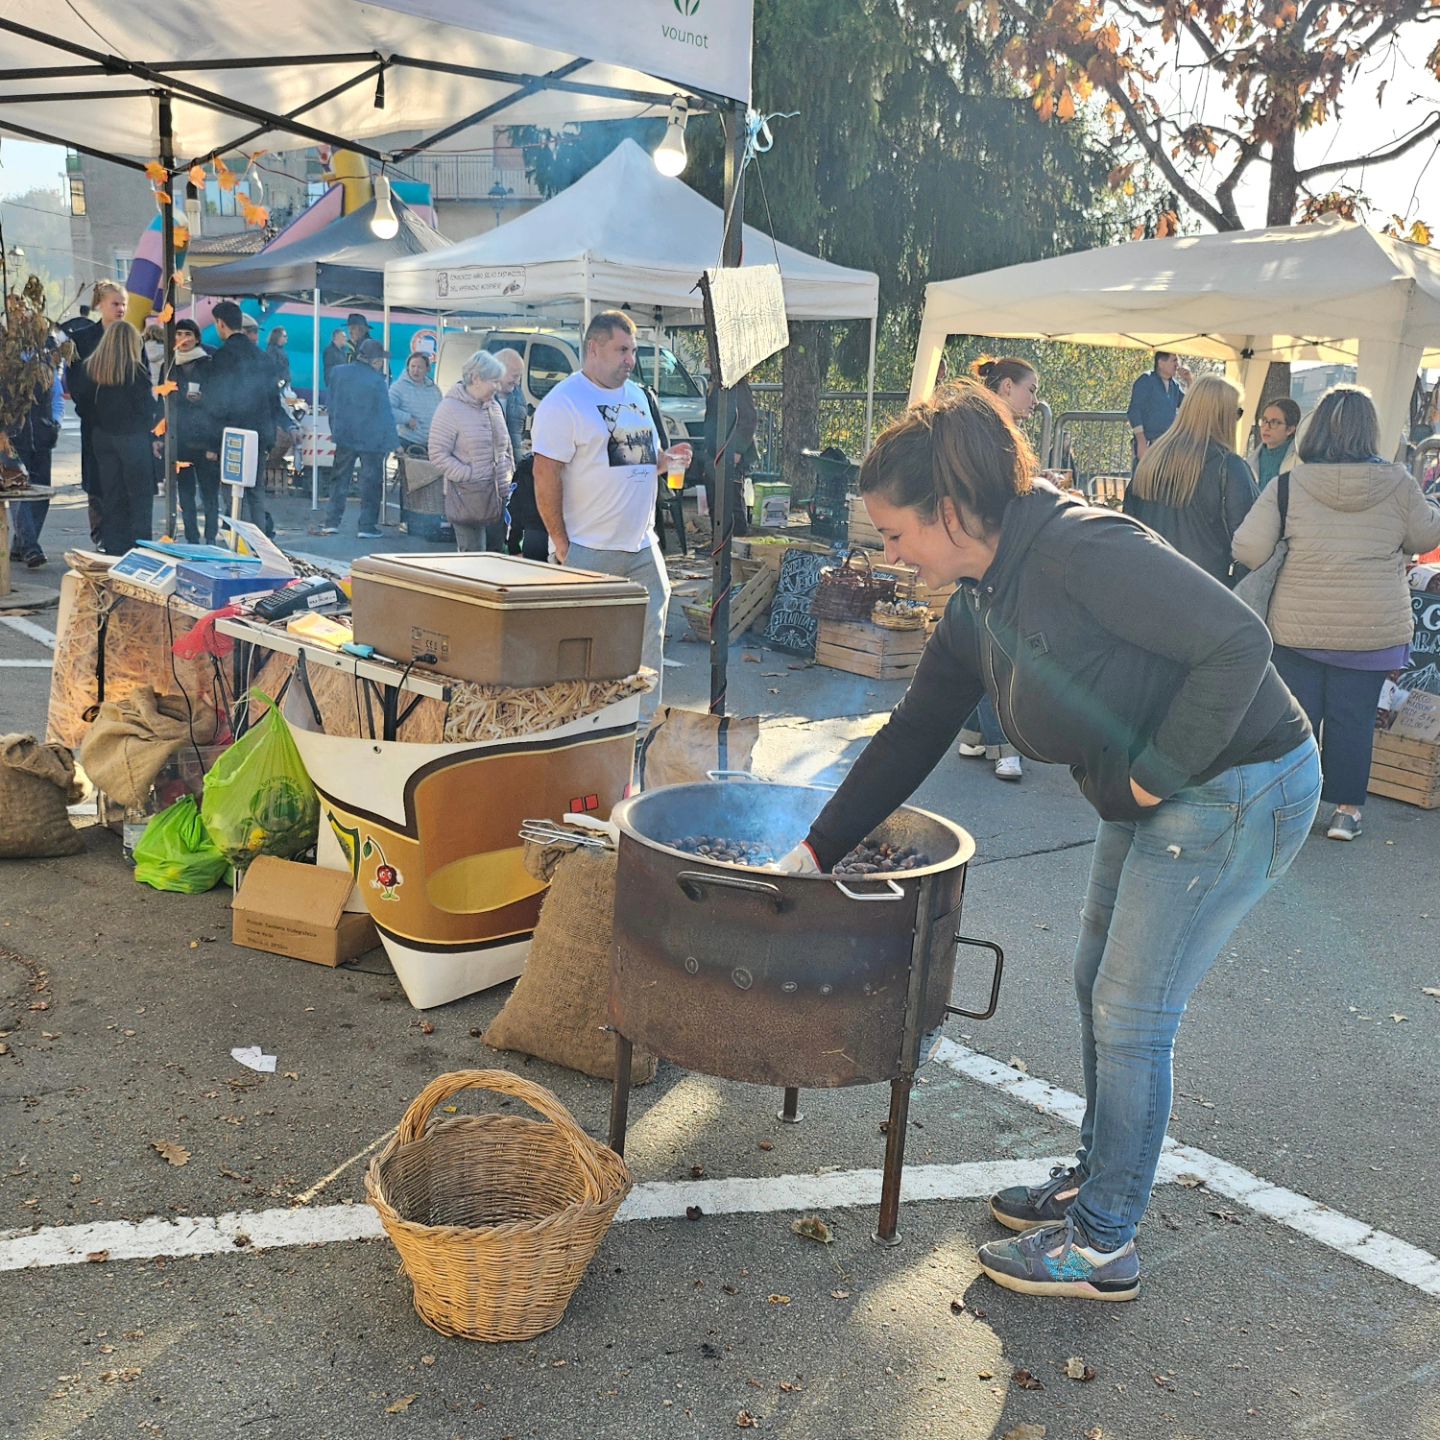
(632,438)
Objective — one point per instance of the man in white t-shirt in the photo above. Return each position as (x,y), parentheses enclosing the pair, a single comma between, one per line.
(597,452)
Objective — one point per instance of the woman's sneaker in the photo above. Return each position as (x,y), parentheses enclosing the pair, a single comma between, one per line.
(1008,768)
(1058,1260)
(1343,826)
(1023,1207)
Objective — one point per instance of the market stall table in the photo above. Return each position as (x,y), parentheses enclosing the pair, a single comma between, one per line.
(426,814)
(384,680)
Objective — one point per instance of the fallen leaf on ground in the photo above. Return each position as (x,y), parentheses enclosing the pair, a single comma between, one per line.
(1024,1380)
(1077,1369)
(766,1145)
(789,1387)
(697,1172)
(751,659)
(1431,990)
(693,1212)
(812,1227)
(957,1307)
(1398,1019)
(1190,1182)
(984,1374)
(1024,1432)
(427,1359)
(1016,1063)
(403,1403)
(1094,1433)
(127,1376)
(778,1299)
(839,1294)
(746,1421)
(168,1150)
(1227,1215)
(98,1257)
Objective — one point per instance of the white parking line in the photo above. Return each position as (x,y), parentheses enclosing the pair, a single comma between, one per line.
(656,1200)
(1408,1263)
(30,628)
(839,1190)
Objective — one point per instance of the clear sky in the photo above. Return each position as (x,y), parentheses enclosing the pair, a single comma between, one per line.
(26,166)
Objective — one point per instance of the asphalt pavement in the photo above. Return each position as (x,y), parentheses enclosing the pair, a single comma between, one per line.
(1290,1281)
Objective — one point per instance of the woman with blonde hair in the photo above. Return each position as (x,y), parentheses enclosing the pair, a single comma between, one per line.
(1190,486)
(120,403)
(1340,612)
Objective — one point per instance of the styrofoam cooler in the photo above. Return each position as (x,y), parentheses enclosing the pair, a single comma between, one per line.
(431,835)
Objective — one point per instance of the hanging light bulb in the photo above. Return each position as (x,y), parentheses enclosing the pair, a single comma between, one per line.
(670,154)
(383,224)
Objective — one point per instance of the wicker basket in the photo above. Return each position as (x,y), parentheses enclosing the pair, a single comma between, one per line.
(847,593)
(918,619)
(496,1217)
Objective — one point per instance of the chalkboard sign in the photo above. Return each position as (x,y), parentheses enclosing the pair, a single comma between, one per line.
(1423,672)
(792,627)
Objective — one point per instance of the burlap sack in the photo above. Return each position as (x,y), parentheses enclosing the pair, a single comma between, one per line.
(558,1009)
(683,746)
(37,782)
(132,738)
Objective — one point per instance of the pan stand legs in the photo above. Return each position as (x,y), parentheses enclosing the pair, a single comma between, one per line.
(789,1113)
(885,1230)
(620,1094)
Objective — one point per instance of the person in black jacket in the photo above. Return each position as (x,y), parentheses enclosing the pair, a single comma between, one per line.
(192,439)
(1104,650)
(239,392)
(1191,487)
(114,387)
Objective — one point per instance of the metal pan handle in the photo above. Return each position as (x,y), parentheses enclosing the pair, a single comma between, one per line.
(735,775)
(999,955)
(693,883)
(895,892)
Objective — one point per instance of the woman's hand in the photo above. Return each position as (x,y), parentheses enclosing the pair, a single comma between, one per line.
(800,861)
(1143,798)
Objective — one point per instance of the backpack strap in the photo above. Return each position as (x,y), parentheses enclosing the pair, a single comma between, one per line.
(1282,499)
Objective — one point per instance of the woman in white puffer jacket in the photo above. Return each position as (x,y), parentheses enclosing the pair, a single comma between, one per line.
(1340,614)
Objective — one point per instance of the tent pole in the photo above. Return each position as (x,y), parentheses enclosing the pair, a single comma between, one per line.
(656,367)
(722,522)
(168,297)
(385,330)
(870,389)
(316,370)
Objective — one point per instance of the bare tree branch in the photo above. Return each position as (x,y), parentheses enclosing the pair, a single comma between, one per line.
(1379,157)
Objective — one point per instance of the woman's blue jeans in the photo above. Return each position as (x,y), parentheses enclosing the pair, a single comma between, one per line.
(1165,894)
(982,727)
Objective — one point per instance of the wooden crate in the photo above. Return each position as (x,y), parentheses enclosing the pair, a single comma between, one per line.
(862,532)
(769,551)
(749,601)
(1407,770)
(860,648)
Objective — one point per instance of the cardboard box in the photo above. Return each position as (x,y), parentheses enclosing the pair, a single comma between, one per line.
(299,911)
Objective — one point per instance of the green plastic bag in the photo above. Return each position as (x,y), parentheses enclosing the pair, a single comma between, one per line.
(175,853)
(258,797)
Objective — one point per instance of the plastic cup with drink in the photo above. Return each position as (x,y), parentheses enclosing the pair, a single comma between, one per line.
(677,462)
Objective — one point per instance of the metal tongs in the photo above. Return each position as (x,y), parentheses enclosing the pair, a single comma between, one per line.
(605,835)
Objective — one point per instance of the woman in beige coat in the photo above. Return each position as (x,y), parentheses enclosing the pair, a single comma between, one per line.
(470,443)
(1340,615)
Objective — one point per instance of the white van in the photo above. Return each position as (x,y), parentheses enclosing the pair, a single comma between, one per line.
(550,355)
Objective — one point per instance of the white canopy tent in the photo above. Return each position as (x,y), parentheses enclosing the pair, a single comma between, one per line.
(623,234)
(340,72)
(1333,291)
(183,82)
